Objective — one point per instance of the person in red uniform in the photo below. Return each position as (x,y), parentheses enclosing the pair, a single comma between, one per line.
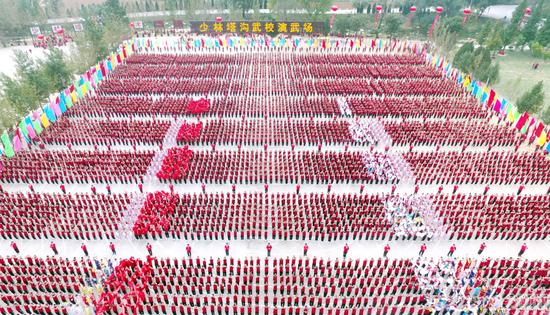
(266,188)
(451,250)
(305,249)
(361,188)
(149,249)
(268,247)
(486,190)
(108,189)
(84,249)
(329,188)
(203,186)
(233,188)
(481,248)
(54,248)
(386,250)
(346,250)
(520,189)
(140,187)
(298,189)
(522,250)
(93,190)
(188,250)
(15,248)
(112,247)
(422,249)
(63,188)
(455,189)
(226,247)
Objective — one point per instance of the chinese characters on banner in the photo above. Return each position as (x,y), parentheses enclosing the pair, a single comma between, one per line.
(35,30)
(258,27)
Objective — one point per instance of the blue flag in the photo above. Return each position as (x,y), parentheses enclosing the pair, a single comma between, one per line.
(62,103)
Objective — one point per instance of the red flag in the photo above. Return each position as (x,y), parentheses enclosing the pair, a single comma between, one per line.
(491,98)
(373,44)
(522,120)
(539,129)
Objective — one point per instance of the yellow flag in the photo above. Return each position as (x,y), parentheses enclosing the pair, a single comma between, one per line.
(542,138)
(511,117)
(44,120)
(84,90)
(74,97)
(466,82)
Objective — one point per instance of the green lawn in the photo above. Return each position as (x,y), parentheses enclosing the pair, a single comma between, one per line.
(517,76)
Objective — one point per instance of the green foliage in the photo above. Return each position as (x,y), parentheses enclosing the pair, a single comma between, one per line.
(529,32)
(537,50)
(360,5)
(463,57)
(478,62)
(392,25)
(454,24)
(543,36)
(484,33)
(532,100)
(34,80)
(315,9)
(495,41)
(511,33)
(244,6)
(545,115)
(444,39)
(105,27)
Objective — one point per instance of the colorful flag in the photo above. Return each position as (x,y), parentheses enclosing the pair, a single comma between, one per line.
(522,120)
(37,127)
(30,131)
(17,146)
(497,106)
(491,98)
(62,105)
(44,120)
(542,138)
(539,129)
(8,149)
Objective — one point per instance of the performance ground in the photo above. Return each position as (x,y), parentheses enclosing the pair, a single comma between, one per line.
(359,147)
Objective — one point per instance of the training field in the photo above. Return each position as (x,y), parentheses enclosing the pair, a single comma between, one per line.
(191,180)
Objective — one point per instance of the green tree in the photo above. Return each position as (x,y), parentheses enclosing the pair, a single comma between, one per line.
(532,100)
(543,36)
(546,115)
(392,25)
(315,9)
(454,24)
(463,57)
(484,33)
(244,6)
(34,81)
(495,41)
(529,32)
(537,50)
(360,5)
(511,32)
(56,70)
